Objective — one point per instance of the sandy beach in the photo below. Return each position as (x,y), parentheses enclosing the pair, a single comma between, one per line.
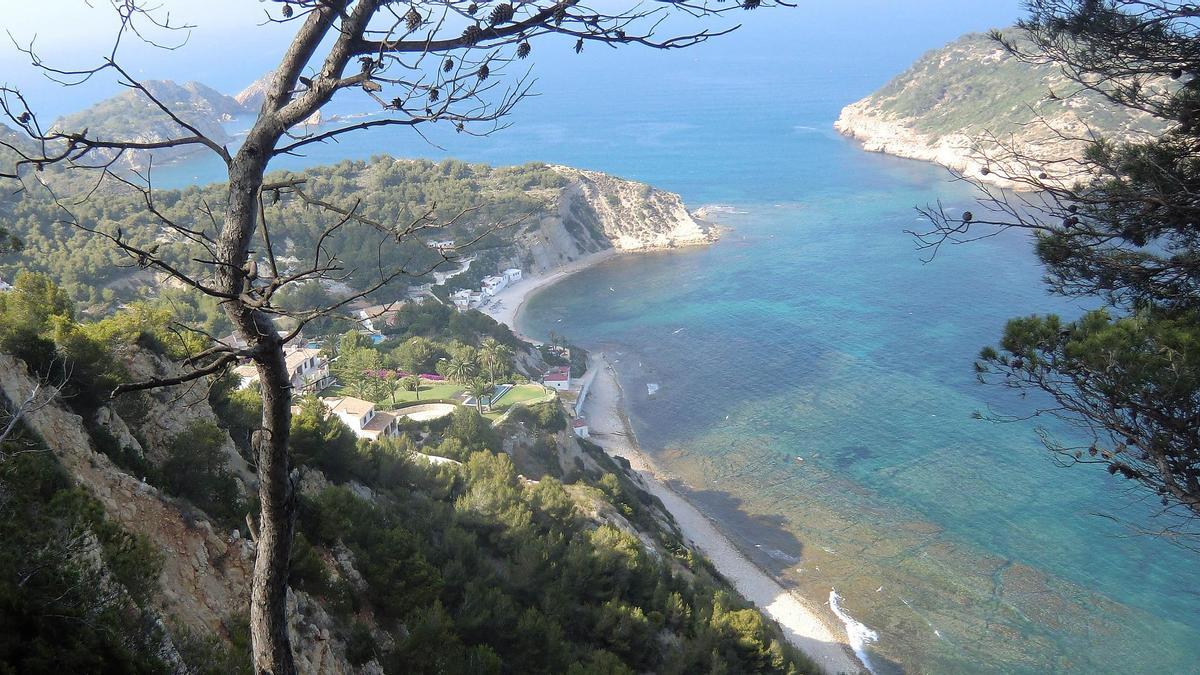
(506,305)
(802,625)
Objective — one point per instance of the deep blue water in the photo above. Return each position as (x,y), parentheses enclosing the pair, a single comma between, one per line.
(816,391)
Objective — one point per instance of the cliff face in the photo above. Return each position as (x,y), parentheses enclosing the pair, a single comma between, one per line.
(971,104)
(597,212)
(205,578)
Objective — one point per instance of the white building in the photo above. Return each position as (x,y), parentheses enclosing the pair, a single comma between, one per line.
(558,378)
(580,427)
(512,274)
(308,369)
(248,374)
(362,418)
(442,245)
(466,299)
(374,317)
(5,286)
(493,285)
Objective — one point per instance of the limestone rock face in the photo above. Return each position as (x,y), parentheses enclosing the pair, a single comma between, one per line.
(206,573)
(597,212)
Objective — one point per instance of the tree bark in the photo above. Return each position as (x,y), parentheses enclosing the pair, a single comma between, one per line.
(268,596)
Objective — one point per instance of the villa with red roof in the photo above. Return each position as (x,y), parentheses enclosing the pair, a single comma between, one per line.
(558,378)
(580,427)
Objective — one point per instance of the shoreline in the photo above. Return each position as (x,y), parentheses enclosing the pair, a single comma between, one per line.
(506,306)
(803,626)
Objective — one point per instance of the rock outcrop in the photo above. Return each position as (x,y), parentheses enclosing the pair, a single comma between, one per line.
(972,105)
(205,579)
(596,212)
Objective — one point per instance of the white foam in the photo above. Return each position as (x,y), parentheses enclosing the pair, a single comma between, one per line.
(857,634)
(651,388)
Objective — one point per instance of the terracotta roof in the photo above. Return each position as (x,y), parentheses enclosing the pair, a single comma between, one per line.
(578,422)
(376,311)
(559,374)
(348,405)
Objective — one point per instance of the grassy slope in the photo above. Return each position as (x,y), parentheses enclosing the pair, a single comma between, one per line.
(972,85)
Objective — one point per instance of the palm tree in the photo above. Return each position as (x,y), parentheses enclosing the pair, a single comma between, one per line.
(460,370)
(493,354)
(504,356)
(478,389)
(412,383)
(390,378)
(489,357)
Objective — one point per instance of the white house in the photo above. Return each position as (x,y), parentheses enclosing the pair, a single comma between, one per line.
(493,285)
(308,369)
(580,427)
(362,418)
(248,374)
(558,378)
(442,245)
(512,274)
(385,314)
(466,299)
(5,286)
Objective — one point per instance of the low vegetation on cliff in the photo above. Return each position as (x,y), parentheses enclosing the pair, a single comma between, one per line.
(972,100)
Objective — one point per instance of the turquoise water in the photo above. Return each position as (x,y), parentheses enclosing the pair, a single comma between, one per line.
(815,384)
(814,331)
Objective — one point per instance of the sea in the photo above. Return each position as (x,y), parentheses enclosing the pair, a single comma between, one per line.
(807,381)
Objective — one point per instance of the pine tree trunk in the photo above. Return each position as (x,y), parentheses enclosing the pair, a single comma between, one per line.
(270,643)
(268,596)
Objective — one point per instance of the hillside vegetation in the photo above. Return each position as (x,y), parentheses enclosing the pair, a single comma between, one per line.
(525,550)
(959,104)
(132,116)
(534,216)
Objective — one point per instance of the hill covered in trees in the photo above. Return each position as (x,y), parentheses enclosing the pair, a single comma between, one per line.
(971,104)
(131,115)
(535,217)
(460,546)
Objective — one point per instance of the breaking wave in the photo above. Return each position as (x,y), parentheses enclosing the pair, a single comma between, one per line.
(857,633)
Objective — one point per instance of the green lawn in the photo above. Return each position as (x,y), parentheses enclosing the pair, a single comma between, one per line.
(429,390)
(522,393)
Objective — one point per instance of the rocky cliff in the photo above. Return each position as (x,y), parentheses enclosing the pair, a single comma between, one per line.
(595,212)
(971,104)
(204,584)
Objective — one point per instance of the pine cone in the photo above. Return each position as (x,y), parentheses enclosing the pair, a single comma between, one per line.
(523,50)
(503,13)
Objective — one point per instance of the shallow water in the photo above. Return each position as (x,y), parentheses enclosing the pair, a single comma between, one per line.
(814,383)
(815,395)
